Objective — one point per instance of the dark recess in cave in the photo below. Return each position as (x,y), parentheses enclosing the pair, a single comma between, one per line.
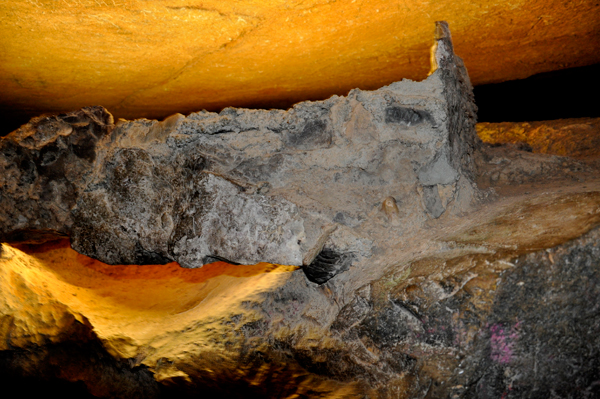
(545,96)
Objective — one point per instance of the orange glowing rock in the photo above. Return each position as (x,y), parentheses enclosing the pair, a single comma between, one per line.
(152,59)
(578,138)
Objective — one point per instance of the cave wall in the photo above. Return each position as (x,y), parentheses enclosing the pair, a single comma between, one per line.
(431,264)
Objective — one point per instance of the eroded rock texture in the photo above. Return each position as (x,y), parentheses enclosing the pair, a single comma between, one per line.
(254,186)
(576,138)
(459,317)
(43,169)
(415,283)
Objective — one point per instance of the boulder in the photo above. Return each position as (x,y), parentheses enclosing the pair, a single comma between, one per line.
(304,187)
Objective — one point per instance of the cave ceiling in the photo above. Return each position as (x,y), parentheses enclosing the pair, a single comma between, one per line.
(152,59)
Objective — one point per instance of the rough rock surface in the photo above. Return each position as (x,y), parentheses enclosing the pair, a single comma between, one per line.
(493,298)
(43,168)
(577,138)
(456,315)
(254,186)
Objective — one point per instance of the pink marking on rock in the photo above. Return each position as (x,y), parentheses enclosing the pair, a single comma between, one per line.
(502,343)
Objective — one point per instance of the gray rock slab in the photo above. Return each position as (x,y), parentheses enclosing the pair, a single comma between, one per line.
(245,185)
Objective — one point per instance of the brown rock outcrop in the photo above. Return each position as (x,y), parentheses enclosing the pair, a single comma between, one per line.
(577,138)
(456,312)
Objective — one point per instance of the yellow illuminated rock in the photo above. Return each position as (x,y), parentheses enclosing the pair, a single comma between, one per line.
(564,137)
(265,329)
(136,311)
(152,59)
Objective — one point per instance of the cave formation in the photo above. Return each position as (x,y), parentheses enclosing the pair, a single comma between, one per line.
(368,245)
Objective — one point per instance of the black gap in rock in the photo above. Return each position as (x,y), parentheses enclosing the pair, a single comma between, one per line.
(327,265)
(568,93)
(12,119)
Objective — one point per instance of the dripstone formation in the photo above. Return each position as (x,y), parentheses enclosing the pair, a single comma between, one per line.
(375,248)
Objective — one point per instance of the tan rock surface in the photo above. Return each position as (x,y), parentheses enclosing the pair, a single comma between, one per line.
(248,186)
(152,59)
(579,138)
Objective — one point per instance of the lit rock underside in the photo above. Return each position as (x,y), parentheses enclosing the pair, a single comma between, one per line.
(493,299)
(152,59)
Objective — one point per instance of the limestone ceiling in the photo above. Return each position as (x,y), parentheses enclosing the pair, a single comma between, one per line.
(154,58)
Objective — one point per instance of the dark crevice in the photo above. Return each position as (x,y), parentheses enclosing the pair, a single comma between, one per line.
(568,93)
(327,265)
